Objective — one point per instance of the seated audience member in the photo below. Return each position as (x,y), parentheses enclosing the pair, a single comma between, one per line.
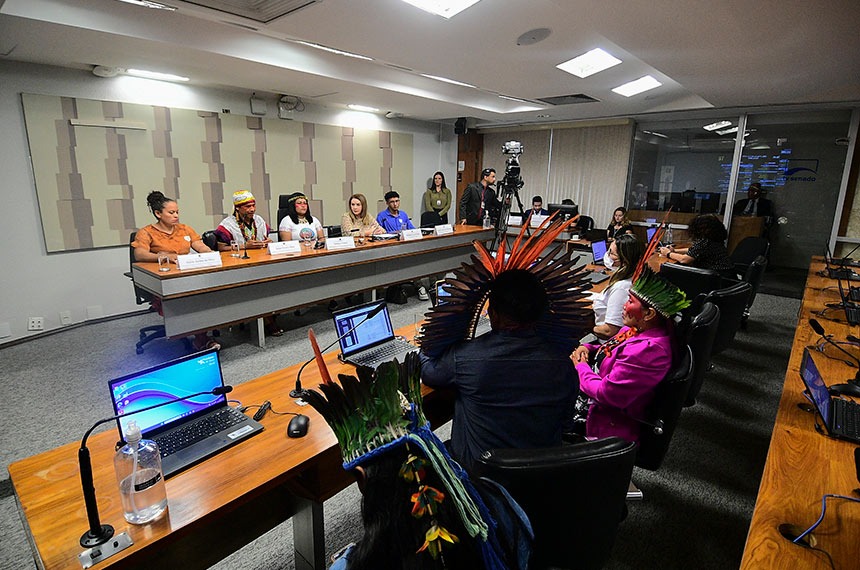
(244,227)
(419,508)
(167,235)
(708,250)
(437,198)
(299,223)
(625,253)
(357,221)
(619,225)
(537,208)
(620,376)
(392,219)
(514,389)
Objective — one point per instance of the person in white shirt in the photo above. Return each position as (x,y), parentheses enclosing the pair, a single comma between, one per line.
(625,252)
(299,224)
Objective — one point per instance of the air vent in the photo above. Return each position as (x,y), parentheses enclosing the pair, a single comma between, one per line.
(263,11)
(569,99)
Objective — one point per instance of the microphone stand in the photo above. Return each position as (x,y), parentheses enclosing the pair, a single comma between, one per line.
(298,391)
(98,533)
(851,387)
(245,254)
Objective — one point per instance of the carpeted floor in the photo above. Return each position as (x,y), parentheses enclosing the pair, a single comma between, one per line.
(697,507)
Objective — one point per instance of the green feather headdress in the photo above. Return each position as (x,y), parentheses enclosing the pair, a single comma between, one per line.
(649,287)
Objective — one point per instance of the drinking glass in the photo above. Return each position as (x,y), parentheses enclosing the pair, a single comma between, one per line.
(234,248)
(163,261)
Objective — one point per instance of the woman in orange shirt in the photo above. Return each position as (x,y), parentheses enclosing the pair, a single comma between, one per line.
(167,235)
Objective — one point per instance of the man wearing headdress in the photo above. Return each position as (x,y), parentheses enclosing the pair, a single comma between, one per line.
(244,226)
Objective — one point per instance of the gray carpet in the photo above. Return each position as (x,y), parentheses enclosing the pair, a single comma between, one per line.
(697,507)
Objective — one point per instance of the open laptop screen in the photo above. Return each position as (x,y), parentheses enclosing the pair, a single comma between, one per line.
(598,250)
(816,386)
(649,233)
(441,292)
(190,374)
(375,331)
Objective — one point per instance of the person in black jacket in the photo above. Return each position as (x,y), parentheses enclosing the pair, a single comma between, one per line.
(479,198)
(755,204)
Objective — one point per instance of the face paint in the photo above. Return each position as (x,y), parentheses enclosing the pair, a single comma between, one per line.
(633,311)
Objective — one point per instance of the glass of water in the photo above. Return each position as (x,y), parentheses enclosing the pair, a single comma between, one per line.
(163,261)
(234,248)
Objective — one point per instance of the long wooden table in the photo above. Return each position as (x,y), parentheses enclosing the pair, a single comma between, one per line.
(802,464)
(215,507)
(244,289)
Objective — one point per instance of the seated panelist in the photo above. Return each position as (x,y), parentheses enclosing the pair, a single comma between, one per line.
(357,221)
(299,223)
(244,226)
(392,219)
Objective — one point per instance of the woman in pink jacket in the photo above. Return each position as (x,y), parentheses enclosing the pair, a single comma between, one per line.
(619,377)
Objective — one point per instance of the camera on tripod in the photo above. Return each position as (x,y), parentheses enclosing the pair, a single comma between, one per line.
(512,181)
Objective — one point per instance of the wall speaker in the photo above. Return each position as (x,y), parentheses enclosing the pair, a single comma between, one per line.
(460,126)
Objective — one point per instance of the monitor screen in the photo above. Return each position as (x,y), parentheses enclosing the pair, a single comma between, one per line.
(649,233)
(565,211)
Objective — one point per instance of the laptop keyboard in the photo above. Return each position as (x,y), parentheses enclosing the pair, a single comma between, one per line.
(383,353)
(198,430)
(846,417)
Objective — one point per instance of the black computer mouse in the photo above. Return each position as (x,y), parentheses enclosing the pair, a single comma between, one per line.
(298,426)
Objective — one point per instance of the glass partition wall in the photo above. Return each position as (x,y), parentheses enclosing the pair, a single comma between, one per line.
(700,166)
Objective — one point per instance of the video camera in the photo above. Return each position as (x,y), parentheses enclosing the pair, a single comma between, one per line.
(512,181)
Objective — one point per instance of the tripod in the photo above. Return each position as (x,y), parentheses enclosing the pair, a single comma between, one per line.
(509,187)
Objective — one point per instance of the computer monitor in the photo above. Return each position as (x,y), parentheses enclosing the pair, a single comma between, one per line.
(565,211)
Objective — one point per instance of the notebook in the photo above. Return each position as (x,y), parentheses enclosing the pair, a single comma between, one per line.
(836,413)
(598,250)
(372,342)
(188,431)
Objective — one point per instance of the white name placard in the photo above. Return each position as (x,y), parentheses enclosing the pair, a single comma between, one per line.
(409,235)
(514,220)
(537,220)
(198,260)
(443,229)
(285,248)
(338,243)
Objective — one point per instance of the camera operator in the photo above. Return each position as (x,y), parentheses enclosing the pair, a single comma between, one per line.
(478,198)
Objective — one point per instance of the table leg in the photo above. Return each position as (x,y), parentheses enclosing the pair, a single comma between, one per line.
(309,536)
(258,332)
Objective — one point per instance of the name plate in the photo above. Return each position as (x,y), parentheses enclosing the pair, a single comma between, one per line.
(285,248)
(410,235)
(338,243)
(443,229)
(198,260)
(515,220)
(537,220)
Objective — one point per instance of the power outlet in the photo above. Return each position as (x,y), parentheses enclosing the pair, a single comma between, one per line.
(65,318)
(36,324)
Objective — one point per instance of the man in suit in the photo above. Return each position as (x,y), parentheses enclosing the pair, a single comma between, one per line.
(479,198)
(754,204)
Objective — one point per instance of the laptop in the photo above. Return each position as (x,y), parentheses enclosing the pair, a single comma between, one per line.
(836,413)
(649,233)
(839,272)
(188,431)
(372,342)
(598,250)
(852,310)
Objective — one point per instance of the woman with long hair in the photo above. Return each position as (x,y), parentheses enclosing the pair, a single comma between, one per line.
(356,220)
(299,223)
(437,198)
(625,251)
(708,250)
(619,225)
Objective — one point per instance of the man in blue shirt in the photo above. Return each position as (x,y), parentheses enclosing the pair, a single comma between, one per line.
(392,219)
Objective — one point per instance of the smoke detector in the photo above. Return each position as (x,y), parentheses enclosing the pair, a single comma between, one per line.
(105,71)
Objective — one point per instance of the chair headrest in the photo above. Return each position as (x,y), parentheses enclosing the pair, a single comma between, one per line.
(555,456)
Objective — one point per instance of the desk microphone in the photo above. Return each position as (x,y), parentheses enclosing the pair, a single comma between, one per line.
(99,533)
(850,387)
(298,392)
(245,255)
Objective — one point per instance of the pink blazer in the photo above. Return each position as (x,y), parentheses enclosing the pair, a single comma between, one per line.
(627,378)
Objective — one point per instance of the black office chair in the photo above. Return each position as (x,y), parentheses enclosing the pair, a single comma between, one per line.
(283,208)
(334,231)
(732,302)
(691,280)
(430,219)
(585,224)
(753,276)
(747,250)
(574,496)
(142,296)
(210,240)
(699,335)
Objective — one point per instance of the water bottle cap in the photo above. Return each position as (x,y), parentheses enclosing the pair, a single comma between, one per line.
(132,432)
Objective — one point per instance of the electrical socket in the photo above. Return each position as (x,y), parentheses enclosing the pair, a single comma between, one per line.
(65,318)
(36,324)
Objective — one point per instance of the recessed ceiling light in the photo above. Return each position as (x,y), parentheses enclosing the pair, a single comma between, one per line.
(635,87)
(333,50)
(717,125)
(589,63)
(446,80)
(150,4)
(727,131)
(364,108)
(155,75)
(444,8)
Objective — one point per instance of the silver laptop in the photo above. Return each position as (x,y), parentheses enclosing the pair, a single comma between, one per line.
(187,431)
(372,340)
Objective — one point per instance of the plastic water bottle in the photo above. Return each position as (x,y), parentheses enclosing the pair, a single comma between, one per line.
(668,236)
(486,222)
(141,481)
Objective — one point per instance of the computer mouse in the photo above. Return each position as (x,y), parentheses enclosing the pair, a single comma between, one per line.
(298,426)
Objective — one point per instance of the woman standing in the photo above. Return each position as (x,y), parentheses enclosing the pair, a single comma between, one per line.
(619,225)
(299,223)
(437,198)
(356,221)
(625,252)
(167,235)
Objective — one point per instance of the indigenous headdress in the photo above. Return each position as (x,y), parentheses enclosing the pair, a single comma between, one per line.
(666,298)
(382,409)
(568,315)
(242,197)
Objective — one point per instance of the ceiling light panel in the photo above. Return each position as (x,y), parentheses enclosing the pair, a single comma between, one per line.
(446,80)
(638,86)
(155,75)
(444,8)
(589,63)
(717,125)
(363,108)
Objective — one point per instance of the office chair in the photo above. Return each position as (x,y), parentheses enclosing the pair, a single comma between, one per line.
(699,335)
(430,219)
(283,208)
(747,250)
(585,224)
(210,240)
(753,276)
(732,302)
(574,496)
(691,280)
(141,296)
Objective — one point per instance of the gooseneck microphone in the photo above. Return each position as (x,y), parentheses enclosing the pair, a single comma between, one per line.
(299,391)
(99,533)
(850,387)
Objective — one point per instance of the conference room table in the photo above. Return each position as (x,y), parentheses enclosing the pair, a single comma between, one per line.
(245,289)
(802,464)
